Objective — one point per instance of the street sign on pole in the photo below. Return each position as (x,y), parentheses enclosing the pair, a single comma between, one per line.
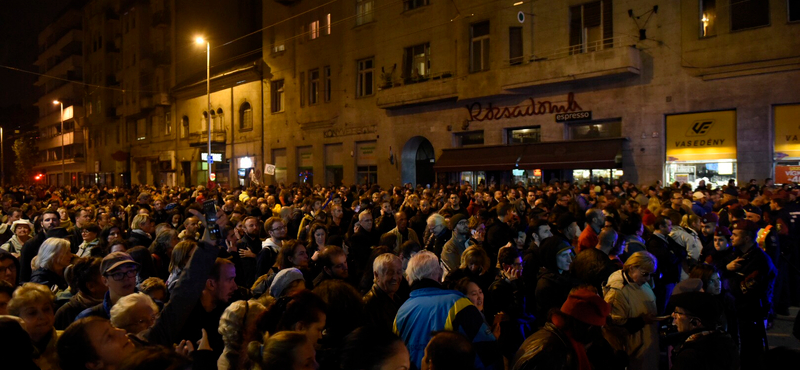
(210,160)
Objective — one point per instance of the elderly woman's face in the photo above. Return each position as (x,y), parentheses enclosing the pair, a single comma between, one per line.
(39,318)
(63,213)
(140,318)
(22,230)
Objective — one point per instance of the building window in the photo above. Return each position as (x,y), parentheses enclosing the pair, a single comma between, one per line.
(417,62)
(277,96)
(204,122)
(524,135)
(515,45)
(219,125)
(479,47)
(313,30)
(184,127)
(413,4)
(794,10)
(302,89)
(328,24)
(167,123)
(462,139)
(141,129)
(594,130)
(364,11)
(590,27)
(327,73)
(365,79)
(245,117)
(708,18)
(213,122)
(313,86)
(749,14)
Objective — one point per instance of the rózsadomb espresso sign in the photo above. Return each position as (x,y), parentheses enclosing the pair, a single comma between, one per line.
(707,136)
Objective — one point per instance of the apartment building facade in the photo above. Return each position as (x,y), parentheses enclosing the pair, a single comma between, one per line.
(530,91)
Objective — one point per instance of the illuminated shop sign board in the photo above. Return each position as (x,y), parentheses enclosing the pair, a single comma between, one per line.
(704,136)
(787,132)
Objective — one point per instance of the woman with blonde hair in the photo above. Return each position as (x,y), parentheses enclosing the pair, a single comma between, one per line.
(475,264)
(34,304)
(633,310)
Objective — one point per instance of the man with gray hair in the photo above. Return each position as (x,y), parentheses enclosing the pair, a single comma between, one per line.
(382,301)
(431,308)
(437,234)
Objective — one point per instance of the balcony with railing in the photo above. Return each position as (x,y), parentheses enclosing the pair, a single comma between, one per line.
(602,58)
(400,92)
(74,136)
(200,138)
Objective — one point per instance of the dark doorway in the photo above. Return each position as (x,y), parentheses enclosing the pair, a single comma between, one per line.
(186,167)
(425,160)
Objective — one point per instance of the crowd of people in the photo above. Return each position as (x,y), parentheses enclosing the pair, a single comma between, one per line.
(557,276)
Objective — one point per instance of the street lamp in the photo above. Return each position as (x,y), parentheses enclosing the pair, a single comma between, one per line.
(200,41)
(63,172)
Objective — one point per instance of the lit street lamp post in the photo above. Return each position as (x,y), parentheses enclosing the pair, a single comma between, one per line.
(201,41)
(63,172)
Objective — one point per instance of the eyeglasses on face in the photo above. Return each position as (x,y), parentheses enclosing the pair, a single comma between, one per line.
(119,276)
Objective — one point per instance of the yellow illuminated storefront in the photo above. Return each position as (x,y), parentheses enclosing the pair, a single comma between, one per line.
(787,143)
(701,146)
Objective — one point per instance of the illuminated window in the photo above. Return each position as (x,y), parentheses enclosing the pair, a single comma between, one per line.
(524,135)
(417,62)
(313,30)
(595,130)
(708,18)
(328,24)
(471,138)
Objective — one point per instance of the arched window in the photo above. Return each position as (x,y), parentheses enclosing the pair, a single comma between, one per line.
(245,117)
(204,122)
(185,127)
(219,125)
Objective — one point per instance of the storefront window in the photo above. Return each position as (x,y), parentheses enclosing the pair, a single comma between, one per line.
(462,139)
(787,143)
(524,135)
(594,175)
(527,177)
(367,175)
(279,158)
(473,177)
(595,130)
(701,146)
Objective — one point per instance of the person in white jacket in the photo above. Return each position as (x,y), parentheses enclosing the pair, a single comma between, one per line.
(633,311)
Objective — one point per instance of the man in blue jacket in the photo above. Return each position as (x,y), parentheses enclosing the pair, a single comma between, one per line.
(431,308)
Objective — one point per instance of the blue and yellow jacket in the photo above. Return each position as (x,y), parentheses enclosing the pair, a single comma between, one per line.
(431,308)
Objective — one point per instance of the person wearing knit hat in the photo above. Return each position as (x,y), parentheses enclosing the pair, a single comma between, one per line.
(238,327)
(634,310)
(286,281)
(458,243)
(695,315)
(555,280)
(561,343)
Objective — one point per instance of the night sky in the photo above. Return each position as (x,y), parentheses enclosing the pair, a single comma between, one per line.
(20,24)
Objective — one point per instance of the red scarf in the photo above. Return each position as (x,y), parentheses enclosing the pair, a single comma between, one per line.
(580,348)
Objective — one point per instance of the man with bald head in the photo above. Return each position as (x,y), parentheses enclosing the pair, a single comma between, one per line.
(593,266)
(402,232)
(595,220)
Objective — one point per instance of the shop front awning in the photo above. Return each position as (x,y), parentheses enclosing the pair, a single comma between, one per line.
(572,154)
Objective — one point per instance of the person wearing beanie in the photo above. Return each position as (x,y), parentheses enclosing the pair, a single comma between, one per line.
(633,310)
(703,347)
(238,327)
(751,283)
(554,281)
(286,281)
(561,343)
(452,250)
